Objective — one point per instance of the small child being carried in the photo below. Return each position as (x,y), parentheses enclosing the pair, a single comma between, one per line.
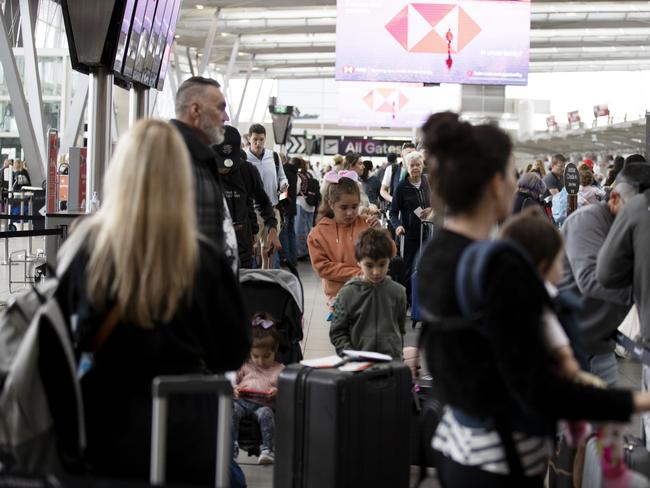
(257,385)
(543,243)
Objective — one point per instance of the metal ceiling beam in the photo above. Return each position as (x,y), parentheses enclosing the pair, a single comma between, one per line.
(32,78)
(19,105)
(209,42)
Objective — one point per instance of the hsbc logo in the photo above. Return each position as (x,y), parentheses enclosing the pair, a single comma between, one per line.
(425,28)
(385,100)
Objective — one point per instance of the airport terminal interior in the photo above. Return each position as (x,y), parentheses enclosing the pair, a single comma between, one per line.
(400,243)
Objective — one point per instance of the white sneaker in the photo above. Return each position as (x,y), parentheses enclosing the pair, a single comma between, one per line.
(266,457)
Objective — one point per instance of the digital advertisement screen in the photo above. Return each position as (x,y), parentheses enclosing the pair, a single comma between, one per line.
(168,44)
(385,104)
(482,42)
(154,49)
(145,36)
(124,35)
(153,42)
(134,39)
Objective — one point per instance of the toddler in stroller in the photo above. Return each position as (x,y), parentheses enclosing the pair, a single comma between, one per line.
(257,385)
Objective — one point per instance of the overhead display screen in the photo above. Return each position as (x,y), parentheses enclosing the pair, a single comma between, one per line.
(134,38)
(125,28)
(483,42)
(387,104)
(153,50)
(145,36)
(168,45)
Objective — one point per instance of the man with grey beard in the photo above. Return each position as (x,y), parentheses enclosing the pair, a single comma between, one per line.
(200,114)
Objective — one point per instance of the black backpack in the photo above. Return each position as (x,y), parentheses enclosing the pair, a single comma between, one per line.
(312,195)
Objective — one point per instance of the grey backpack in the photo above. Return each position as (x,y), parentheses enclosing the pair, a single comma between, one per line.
(38,384)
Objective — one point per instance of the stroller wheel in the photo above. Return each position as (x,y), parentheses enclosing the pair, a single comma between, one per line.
(12,227)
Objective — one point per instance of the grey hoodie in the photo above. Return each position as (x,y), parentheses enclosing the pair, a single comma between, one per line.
(603,308)
(624,259)
(370,317)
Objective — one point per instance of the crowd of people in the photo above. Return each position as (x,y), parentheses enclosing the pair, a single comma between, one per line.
(509,352)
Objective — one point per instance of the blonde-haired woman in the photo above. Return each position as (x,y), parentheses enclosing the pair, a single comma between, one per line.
(21,175)
(150,297)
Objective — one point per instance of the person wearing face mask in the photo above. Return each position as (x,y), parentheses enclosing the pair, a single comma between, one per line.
(494,372)
(200,114)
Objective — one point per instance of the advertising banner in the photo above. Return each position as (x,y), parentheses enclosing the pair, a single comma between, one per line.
(483,42)
(385,104)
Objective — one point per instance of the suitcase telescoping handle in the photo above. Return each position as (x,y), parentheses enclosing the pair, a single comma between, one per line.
(162,387)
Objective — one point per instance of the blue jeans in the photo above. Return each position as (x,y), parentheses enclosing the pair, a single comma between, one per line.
(264,416)
(303,226)
(605,367)
(288,240)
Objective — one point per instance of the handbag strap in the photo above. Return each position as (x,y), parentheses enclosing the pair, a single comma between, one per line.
(106,329)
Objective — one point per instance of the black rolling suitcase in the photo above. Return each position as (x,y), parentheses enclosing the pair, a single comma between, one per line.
(341,430)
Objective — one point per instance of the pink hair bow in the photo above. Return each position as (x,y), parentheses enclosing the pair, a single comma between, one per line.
(260,322)
(335,176)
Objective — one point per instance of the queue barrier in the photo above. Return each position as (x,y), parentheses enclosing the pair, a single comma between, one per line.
(33,264)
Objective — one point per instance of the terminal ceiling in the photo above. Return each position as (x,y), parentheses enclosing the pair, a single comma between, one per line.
(296,39)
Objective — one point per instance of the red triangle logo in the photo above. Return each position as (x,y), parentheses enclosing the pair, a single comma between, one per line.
(369,99)
(467,29)
(402,100)
(398,27)
(386,107)
(433,13)
(432,43)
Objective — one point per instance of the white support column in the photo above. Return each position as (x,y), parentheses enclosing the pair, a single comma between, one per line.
(257,99)
(75,115)
(231,63)
(32,78)
(243,95)
(177,75)
(19,105)
(153,102)
(209,42)
(189,61)
(100,99)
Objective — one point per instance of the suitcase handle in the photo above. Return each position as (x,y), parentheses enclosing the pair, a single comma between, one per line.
(162,387)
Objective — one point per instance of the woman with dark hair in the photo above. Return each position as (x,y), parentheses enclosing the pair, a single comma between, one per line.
(529,188)
(496,376)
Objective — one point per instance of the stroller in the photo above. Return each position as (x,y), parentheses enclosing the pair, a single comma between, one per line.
(278,293)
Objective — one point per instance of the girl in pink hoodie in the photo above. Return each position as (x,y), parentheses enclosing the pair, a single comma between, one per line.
(331,242)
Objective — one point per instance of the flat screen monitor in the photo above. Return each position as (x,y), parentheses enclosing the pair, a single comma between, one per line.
(134,38)
(165,19)
(154,41)
(482,42)
(369,104)
(125,29)
(168,45)
(145,36)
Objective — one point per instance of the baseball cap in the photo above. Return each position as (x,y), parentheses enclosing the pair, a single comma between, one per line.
(228,153)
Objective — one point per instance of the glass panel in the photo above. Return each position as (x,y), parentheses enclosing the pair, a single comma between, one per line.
(51,71)
(7,118)
(51,115)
